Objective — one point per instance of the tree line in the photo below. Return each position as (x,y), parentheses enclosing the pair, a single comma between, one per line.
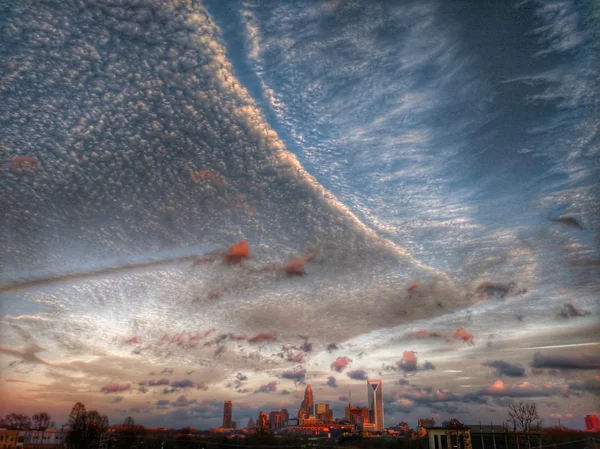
(18,421)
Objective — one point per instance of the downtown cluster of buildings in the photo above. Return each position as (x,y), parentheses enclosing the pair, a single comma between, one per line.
(312,419)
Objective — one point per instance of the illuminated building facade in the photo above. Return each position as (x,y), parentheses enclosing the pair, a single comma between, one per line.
(591,422)
(324,413)
(278,419)
(375,395)
(357,415)
(308,404)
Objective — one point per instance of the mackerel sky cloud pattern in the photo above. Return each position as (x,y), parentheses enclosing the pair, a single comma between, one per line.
(164,164)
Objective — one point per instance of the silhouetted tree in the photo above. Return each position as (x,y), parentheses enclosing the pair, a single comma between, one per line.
(84,428)
(524,416)
(18,421)
(129,421)
(77,427)
(41,421)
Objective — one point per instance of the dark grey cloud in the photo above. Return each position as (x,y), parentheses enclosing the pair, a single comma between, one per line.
(358,374)
(505,368)
(117,399)
(331,381)
(267,388)
(566,362)
(182,401)
(162,403)
(402,382)
(589,385)
(154,383)
(568,310)
(428,366)
(298,374)
(185,383)
(285,392)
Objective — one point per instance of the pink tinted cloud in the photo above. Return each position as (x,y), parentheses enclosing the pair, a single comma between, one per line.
(134,340)
(409,361)
(340,364)
(297,358)
(262,337)
(115,388)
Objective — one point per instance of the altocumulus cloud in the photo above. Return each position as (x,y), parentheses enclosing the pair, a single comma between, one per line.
(358,374)
(566,362)
(267,388)
(331,381)
(115,388)
(506,369)
(298,374)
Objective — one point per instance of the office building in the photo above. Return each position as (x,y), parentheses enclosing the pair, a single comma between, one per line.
(323,413)
(451,435)
(375,395)
(251,424)
(278,419)
(227,414)
(357,415)
(308,404)
(591,422)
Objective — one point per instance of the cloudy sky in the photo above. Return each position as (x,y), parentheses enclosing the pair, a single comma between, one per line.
(430,168)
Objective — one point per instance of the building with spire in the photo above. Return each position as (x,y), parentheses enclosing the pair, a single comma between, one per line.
(375,395)
(308,405)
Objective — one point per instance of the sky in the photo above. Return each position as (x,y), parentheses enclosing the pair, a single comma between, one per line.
(430,168)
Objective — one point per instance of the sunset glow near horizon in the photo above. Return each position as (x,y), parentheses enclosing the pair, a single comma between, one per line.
(208,201)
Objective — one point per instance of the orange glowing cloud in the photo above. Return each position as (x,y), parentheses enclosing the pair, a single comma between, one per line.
(208,176)
(23,163)
(238,252)
(462,334)
(340,364)
(296,267)
(413,287)
(262,337)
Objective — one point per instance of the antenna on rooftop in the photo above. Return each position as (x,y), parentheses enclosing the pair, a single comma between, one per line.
(350,398)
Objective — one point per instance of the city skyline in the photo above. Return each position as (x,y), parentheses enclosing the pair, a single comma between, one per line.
(208,201)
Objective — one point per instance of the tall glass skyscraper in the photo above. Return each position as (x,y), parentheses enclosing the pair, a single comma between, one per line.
(375,395)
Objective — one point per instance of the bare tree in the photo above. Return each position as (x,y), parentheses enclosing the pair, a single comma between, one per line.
(41,421)
(17,421)
(129,422)
(524,416)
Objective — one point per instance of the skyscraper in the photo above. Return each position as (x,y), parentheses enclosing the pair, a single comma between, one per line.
(591,422)
(308,404)
(227,412)
(375,395)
